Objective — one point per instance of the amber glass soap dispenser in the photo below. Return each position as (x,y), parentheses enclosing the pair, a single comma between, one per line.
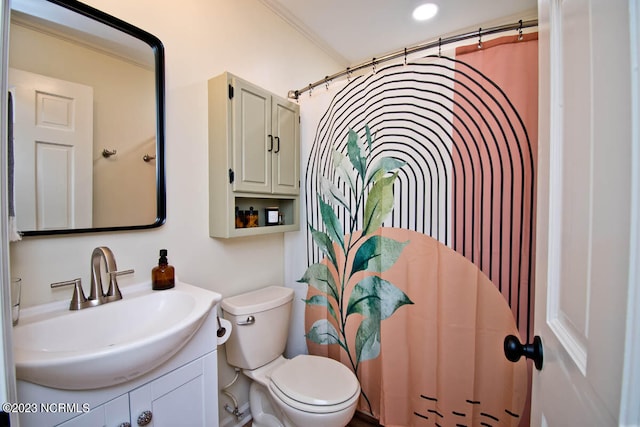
(162,276)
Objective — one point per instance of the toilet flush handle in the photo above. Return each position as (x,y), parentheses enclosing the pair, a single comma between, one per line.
(250,321)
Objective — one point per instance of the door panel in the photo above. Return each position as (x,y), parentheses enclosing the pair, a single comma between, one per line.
(53,149)
(251,127)
(583,211)
(54,186)
(286,158)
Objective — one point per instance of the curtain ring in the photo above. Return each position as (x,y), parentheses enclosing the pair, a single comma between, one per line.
(520,30)
(310,90)
(326,82)
(373,65)
(405,56)
(480,38)
(439,47)
(348,74)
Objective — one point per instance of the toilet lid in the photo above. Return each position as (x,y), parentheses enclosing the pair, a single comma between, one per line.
(315,380)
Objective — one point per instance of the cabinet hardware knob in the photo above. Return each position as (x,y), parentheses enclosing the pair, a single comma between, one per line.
(144,418)
(125,424)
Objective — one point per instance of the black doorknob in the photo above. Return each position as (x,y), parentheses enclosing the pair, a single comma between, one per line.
(514,350)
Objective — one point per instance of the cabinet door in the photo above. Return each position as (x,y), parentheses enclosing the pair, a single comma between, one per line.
(286,151)
(184,397)
(112,414)
(251,138)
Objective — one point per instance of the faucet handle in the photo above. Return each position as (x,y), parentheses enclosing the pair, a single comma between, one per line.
(122,272)
(113,293)
(78,300)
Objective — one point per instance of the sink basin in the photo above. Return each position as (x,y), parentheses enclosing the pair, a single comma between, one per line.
(109,344)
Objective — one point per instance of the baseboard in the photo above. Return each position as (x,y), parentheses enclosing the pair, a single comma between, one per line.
(230,420)
(366,418)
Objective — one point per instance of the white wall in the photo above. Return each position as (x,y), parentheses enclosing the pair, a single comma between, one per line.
(202,38)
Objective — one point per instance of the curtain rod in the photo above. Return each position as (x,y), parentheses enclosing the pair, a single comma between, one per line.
(295,94)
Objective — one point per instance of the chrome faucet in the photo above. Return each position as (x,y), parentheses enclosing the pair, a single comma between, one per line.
(97,296)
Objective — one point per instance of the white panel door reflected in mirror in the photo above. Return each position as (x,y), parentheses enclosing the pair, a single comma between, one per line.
(72,187)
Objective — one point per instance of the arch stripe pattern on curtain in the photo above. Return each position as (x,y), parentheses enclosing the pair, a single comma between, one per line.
(469,177)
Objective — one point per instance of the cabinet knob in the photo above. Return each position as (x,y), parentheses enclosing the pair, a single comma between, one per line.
(144,418)
(125,424)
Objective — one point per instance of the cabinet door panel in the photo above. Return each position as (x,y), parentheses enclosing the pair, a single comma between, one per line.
(95,417)
(252,143)
(111,414)
(286,156)
(190,411)
(181,397)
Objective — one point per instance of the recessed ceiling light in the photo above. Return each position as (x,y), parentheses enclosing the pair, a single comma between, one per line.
(425,11)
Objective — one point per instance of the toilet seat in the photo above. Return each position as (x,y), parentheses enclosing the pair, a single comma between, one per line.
(315,384)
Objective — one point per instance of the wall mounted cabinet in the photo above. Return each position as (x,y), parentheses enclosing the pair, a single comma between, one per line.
(254,157)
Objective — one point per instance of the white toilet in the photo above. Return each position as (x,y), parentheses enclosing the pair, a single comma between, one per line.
(306,391)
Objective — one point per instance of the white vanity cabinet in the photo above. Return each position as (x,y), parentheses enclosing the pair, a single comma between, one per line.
(181,392)
(254,156)
(179,398)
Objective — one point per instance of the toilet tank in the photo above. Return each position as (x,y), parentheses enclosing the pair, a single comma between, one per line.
(260,326)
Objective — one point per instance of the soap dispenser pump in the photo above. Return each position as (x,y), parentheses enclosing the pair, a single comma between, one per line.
(163,275)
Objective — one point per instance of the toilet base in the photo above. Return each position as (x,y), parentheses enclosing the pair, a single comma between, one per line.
(264,411)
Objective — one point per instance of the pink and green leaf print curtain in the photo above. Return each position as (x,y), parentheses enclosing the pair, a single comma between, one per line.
(420,202)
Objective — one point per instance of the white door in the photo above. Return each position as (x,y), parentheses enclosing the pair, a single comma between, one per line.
(53,149)
(584,215)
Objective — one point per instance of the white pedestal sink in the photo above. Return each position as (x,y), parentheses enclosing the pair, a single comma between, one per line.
(109,344)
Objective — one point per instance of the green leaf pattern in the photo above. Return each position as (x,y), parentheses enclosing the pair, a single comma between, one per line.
(323,301)
(372,298)
(331,193)
(344,170)
(319,276)
(376,298)
(323,241)
(323,332)
(377,254)
(379,204)
(356,152)
(331,222)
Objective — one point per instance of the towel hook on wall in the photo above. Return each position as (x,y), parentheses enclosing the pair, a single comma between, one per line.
(147,158)
(108,153)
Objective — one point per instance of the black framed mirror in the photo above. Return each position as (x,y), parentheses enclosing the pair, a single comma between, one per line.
(88,120)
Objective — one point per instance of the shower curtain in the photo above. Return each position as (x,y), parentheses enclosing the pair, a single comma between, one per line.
(420,201)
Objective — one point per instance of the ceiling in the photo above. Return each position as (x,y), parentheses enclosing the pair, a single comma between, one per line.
(354,31)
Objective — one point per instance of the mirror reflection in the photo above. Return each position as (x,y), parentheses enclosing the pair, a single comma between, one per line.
(87,93)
